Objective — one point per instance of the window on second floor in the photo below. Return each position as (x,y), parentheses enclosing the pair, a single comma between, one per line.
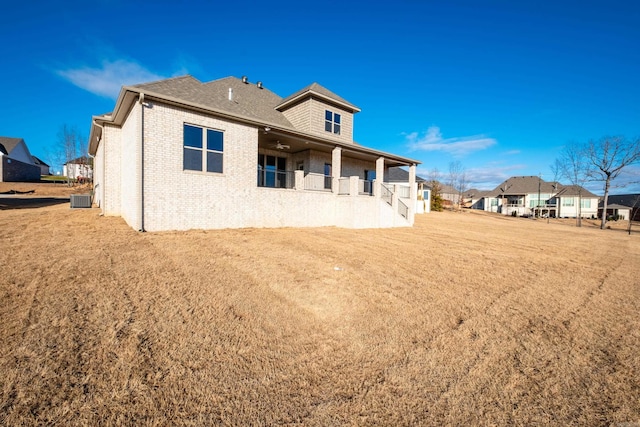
(332,122)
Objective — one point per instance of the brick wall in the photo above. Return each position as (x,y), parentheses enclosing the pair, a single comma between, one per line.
(176,199)
(15,171)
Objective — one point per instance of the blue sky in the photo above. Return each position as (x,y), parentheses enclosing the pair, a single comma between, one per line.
(499,86)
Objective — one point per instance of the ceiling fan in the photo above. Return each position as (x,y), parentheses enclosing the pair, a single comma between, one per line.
(280,146)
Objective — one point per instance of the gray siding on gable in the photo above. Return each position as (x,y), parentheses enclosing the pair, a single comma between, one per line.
(300,116)
(318,109)
(309,116)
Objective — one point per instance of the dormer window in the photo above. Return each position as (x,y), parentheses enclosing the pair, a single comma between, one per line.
(332,122)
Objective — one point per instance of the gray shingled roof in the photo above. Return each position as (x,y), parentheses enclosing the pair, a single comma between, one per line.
(8,144)
(574,190)
(398,174)
(38,161)
(248,99)
(518,185)
(626,200)
(318,89)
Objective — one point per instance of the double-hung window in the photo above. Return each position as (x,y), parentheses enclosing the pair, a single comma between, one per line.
(203,149)
(332,122)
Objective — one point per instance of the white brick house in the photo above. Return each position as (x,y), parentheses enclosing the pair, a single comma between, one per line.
(180,154)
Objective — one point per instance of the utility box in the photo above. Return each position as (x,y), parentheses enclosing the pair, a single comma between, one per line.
(80,201)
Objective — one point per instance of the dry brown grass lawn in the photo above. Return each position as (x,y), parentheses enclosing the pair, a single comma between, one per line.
(465,319)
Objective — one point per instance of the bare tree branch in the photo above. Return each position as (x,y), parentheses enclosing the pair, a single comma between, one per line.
(608,157)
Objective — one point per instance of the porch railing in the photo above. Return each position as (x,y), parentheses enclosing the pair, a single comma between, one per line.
(343,186)
(276,179)
(386,194)
(317,182)
(403,210)
(365,187)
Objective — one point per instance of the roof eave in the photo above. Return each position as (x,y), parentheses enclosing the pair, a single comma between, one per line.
(306,94)
(128,95)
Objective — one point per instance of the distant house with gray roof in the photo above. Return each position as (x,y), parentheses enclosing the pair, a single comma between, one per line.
(45,169)
(622,206)
(181,154)
(532,196)
(16,162)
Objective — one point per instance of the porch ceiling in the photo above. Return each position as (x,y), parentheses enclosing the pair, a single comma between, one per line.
(292,144)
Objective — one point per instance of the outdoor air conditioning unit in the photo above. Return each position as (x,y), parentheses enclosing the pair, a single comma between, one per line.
(80,201)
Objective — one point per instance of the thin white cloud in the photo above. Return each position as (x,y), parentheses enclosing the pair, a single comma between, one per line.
(107,80)
(483,178)
(432,140)
(512,152)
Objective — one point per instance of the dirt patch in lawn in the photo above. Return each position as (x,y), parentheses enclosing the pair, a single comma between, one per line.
(464,319)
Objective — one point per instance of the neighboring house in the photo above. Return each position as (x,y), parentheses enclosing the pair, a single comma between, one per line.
(449,195)
(622,206)
(80,168)
(44,168)
(398,175)
(574,201)
(16,162)
(181,154)
(473,198)
(532,196)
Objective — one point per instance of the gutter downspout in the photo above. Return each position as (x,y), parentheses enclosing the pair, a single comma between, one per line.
(94,168)
(141,165)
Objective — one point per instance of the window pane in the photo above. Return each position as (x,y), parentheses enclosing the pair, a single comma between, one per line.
(214,140)
(328,115)
(336,118)
(327,126)
(336,129)
(192,159)
(271,162)
(214,162)
(282,163)
(192,136)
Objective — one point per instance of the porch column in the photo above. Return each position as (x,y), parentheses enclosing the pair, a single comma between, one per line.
(299,180)
(413,193)
(377,189)
(336,169)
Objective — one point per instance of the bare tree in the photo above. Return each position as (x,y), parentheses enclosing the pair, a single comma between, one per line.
(70,141)
(556,169)
(607,157)
(458,180)
(574,167)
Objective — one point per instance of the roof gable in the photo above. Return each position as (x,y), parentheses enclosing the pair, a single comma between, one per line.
(320,92)
(519,185)
(575,190)
(9,144)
